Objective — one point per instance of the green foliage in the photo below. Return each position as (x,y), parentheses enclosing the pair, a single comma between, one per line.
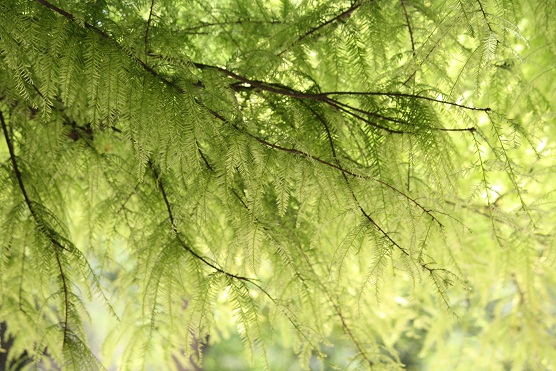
(370,175)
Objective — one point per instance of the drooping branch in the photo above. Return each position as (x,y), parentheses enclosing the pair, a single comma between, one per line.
(394,243)
(324,289)
(17,172)
(175,230)
(344,171)
(333,150)
(360,347)
(291,317)
(40,224)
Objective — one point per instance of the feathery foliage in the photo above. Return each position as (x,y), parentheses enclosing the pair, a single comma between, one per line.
(316,173)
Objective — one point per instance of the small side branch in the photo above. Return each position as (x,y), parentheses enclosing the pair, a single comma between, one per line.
(409,27)
(407,95)
(346,13)
(484,15)
(148,29)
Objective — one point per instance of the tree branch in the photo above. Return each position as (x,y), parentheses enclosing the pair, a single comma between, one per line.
(40,224)
(339,168)
(346,108)
(346,13)
(178,235)
(484,15)
(406,95)
(409,27)
(324,97)
(17,172)
(148,29)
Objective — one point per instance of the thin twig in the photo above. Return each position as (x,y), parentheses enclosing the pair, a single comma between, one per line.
(367,121)
(148,29)
(225,23)
(405,95)
(346,13)
(66,294)
(409,27)
(484,15)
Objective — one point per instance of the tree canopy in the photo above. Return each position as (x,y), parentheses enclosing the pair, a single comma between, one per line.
(371,175)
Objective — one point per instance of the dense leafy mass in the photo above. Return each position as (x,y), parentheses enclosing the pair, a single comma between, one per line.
(370,175)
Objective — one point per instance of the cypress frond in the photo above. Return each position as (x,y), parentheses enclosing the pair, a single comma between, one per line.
(316,173)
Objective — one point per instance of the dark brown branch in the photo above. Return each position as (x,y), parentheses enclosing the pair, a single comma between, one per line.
(71,17)
(262,85)
(299,153)
(367,121)
(348,330)
(178,235)
(409,27)
(383,232)
(38,222)
(374,114)
(404,95)
(207,164)
(324,97)
(148,29)
(244,204)
(339,168)
(300,95)
(484,14)
(66,294)
(367,216)
(346,13)
(17,172)
(332,148)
